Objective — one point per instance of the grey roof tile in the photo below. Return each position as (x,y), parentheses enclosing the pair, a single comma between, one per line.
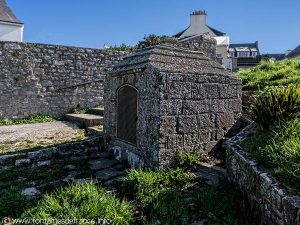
(6,14)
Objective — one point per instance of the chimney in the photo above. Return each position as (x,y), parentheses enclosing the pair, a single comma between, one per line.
(198,19)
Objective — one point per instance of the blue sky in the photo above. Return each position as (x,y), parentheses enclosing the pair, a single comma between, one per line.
(93,23)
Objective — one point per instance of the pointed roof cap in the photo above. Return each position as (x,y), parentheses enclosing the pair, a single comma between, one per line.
(6,15)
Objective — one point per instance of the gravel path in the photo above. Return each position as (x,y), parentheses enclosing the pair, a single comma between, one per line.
(30,135)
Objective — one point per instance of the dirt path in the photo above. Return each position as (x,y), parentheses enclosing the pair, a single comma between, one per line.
(17,137)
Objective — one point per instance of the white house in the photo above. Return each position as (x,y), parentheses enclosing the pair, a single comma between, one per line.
(11,29)
(198,26)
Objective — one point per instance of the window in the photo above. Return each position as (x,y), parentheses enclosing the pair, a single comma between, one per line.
(254,54)
(219,56)
(232,54)
(243,54)
(127,114)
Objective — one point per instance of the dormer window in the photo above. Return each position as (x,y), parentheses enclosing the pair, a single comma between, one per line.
(243,54)
(254,54)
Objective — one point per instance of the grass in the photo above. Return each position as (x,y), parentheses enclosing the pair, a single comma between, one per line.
(166,197)
(87,201)
(279,149)
(271,74)
(144,197)
(101,106)
(13,203)
(28,120)
(80,111)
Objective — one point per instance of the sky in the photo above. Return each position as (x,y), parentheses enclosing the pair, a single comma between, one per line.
(275,24)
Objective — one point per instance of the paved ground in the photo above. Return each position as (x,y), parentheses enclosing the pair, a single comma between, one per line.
(13,138)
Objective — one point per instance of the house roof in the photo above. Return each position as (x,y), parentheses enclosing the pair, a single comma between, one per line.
(180,33)
(294,53)
(169,58)
(216,32)
(6,14)
(245,46)
(279,56)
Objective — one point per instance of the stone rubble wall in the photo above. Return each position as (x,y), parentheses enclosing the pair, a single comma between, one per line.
(202,43)
(268,201)
(43,156)
(51,79)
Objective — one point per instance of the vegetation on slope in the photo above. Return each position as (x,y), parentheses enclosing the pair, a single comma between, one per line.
(279,149)
(271,74)
(277,143)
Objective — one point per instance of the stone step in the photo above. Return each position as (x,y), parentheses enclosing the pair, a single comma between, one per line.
(96,111)
(94,131)
(85,120)
(211,173)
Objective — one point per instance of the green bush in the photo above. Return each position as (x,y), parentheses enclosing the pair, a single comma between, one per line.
(87,201)
(279,149)
(275,104)
(271,74)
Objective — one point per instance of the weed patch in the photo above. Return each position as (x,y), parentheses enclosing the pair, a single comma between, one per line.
(27,120)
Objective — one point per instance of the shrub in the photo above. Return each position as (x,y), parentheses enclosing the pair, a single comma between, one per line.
(87,201)
(275,104)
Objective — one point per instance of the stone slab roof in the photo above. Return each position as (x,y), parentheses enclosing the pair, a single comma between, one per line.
(6,14)
(169,58)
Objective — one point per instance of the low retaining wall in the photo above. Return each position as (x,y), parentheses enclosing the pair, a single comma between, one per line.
(43,156)
(269,203)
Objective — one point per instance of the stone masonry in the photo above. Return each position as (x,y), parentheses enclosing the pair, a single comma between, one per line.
(186,101)
(51,79)
(268,201)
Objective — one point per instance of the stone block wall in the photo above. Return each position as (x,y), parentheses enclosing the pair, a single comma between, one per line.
(268,201)
(186,101)
(51,79)
(197,111)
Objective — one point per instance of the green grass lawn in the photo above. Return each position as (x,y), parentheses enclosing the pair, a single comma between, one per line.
(279,149)
(271,74)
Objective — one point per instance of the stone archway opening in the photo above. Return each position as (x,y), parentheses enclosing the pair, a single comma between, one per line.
(127,114)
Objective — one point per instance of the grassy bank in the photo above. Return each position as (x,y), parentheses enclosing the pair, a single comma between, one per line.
(271,74)
(279,149)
